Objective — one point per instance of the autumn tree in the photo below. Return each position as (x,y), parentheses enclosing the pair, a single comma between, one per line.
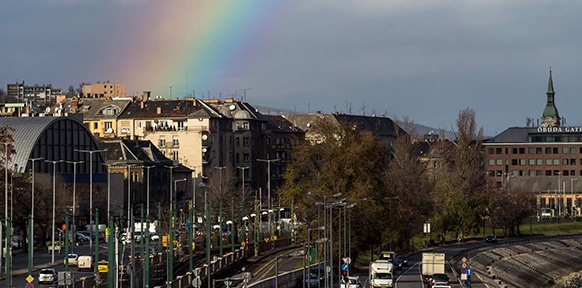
(459,196)
(344,161)
(409,204)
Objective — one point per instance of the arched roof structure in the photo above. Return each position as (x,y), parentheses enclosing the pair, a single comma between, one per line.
(54,139)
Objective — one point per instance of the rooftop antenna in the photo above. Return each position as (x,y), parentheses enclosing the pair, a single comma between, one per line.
(363,108)
(245,93)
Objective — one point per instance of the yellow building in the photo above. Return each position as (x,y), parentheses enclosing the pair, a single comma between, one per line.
(104,90)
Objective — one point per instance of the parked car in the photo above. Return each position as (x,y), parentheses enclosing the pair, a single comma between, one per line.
(154,236)
(81,238)
(47,275)
(73,260)
(491,239)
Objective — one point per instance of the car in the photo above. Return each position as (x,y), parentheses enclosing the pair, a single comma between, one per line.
(103,266)
(398,264)
(47,275)
(81,237)
(137,257)
(491,239)
(403,259)
(353,282)
(73,259)
(441,285)
(440,279)
(154,236)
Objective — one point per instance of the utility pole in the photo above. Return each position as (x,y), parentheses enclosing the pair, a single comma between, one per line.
(269,190)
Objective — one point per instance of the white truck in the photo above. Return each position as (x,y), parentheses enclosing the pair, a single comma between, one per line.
(432,263)
(381,274)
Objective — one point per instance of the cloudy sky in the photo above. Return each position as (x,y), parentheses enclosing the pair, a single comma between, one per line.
(421,59)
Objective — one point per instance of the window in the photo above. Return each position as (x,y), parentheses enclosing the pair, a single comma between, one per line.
(139,124)
(521,150)
(237,141)
(108,125)
(539,161)
(538,150)
(95,125)
(246,125)
(246,142)
(175,142)
(162,142)
(498,151)
(513,150)
(246,157)
(175,156)
(134,177)
(565,150)
(548,161)
(531,150)
(572,150)
(572,161)
(499,162)
(548,150)
(555,150)
(522,162)
(514,162)
(491,151)
(180,125)
(491,162)
(556,161)
(531,162)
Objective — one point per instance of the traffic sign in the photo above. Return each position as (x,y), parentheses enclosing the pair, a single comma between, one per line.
(464,265)
(29,285)
(196,282)
(345,267)
(469,271)
(29,278)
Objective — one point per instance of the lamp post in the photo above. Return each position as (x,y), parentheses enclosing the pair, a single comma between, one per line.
(243,230)
(90,190)
(74,200)
(6,143)
(320,228)
(207,216)
(572,193)
(31,233)
(54,204)
(220,207)
(269,184)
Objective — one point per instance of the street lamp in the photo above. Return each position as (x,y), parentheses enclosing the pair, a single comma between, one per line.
(90,190)
(220,206)
(572,192)
(243,230)
(31,233)
(74,201)
(54,204)
(269,183)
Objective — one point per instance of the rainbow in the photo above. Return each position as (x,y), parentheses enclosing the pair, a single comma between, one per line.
(183,47)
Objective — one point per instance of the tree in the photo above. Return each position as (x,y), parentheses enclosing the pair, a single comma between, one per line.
(459,193)
(410,187)
(343,160)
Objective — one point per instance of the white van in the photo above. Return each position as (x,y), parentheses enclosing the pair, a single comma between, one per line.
(85,262)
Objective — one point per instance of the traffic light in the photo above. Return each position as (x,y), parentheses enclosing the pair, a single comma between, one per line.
(345,275)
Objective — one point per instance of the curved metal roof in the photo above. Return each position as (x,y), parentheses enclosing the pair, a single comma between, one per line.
(27,131)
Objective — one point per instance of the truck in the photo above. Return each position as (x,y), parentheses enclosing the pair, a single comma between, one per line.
(432,263)
(381,274)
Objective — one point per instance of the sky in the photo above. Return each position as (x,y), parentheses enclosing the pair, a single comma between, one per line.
(421,60)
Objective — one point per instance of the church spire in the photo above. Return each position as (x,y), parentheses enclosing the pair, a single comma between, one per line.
(550,116)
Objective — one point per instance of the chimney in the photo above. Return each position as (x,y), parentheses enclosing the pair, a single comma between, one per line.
(159,110)
(74,105)
(141,104)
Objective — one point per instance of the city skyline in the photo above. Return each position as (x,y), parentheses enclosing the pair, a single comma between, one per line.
(422,59)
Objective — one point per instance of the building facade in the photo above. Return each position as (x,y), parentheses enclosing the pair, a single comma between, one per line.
(544,160)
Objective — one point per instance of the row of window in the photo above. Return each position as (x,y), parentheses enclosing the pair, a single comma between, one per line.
(500,173)
(534,150)
(535,162)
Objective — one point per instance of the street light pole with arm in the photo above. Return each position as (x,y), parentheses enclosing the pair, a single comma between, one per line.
(74,200)
(220,206)
(54,204)
(243,229)
(90,190)
(31,233)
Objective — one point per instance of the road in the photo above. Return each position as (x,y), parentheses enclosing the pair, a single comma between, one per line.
(43,259)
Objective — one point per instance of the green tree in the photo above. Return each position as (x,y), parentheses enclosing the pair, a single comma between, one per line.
(459,193)
(342,159)
(410,204)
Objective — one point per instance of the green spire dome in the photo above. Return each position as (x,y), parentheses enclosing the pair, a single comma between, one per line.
(550,116)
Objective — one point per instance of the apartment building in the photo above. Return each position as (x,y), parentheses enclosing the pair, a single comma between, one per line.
(103,90)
